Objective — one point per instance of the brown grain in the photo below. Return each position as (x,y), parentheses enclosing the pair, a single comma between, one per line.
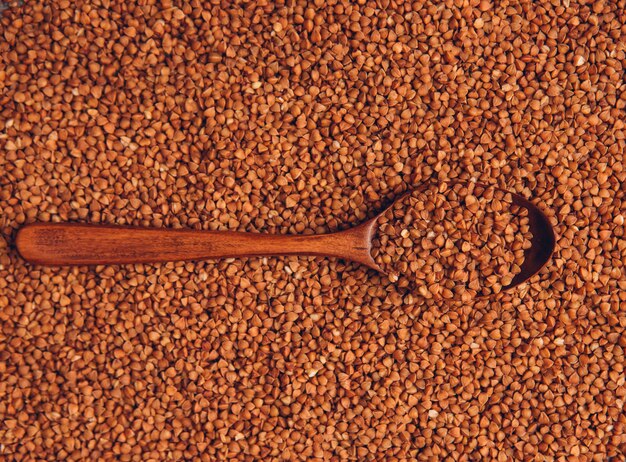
(452,241)
(303,117)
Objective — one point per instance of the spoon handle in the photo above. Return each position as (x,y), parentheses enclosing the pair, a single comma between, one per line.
(61,244)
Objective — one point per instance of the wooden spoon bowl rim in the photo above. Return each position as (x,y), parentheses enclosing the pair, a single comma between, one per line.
(536,257)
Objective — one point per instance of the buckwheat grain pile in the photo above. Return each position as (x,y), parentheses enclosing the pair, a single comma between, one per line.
(453,241)
(309,117)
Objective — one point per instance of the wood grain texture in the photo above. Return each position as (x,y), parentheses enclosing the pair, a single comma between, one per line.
(60,244)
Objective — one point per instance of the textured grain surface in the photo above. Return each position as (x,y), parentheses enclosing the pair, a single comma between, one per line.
(453,241)
(284,117)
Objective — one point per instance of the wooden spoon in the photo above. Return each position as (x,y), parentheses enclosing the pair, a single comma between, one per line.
(60,244)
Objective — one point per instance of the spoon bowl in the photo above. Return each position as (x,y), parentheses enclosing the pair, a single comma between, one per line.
(535,257)
(542,242)
(62,244)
